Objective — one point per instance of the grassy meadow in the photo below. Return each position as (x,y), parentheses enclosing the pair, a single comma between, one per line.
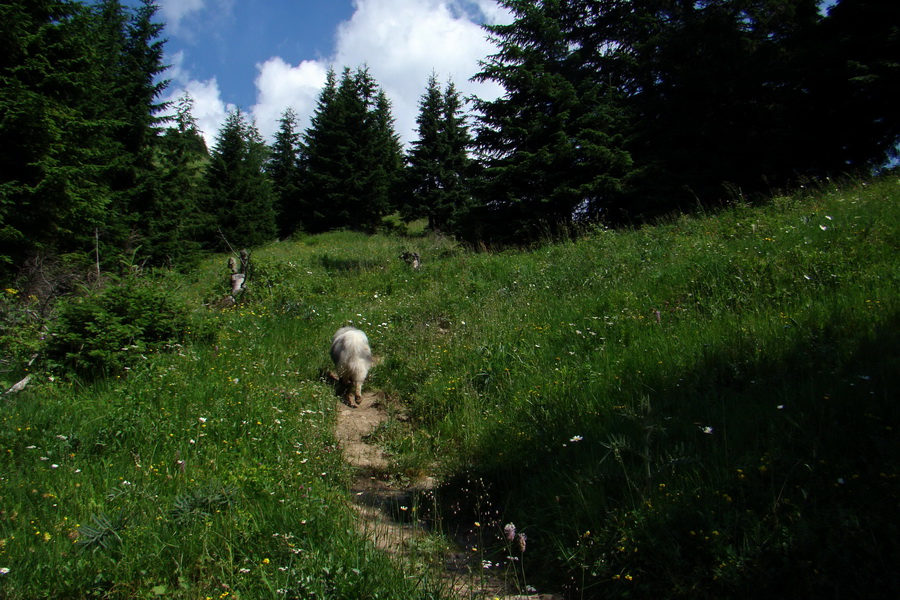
(699,408)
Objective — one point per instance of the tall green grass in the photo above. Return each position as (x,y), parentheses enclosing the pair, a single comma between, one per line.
(704,407)
(700,408)
(210,471)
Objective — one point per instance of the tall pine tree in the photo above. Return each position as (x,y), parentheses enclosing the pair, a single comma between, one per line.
(172,226)
(284,169)
(241,198)
(130,65)
(438,163)
(551,144)
(351,155)
(51,195)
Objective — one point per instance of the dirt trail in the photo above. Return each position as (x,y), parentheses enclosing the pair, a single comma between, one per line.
(386,512)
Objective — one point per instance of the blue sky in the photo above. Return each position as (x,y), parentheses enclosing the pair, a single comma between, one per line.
(264,56)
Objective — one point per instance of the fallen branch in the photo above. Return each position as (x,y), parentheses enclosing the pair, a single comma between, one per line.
(19,386)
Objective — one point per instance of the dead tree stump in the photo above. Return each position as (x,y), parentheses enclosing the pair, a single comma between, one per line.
(238,277)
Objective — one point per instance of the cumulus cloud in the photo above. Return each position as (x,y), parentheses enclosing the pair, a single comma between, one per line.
(280,85)
(173,11)
(402,43)
(181,16)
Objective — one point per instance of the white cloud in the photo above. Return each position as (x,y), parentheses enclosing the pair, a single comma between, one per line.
(209,108)
(184,17)
(173,11)
(279,86)
(402,42)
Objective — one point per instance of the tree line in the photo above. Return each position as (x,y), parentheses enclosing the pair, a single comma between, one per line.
(614,110)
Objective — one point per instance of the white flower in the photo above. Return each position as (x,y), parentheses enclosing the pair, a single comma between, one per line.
(4,570)
(576,438)
(707,430)
(202,419)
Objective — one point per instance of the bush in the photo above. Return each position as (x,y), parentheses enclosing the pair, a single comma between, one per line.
(110,330)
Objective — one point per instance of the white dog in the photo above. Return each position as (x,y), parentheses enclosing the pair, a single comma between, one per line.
(353,358)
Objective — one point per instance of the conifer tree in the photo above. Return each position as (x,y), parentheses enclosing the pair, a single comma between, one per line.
(174,224)
(284,169)
(51,197)
(240,198)
(130,68)
(351,156)
(551,145)
(438,162)
(424,171)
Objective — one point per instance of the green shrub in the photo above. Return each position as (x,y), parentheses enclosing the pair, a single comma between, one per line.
(110,330)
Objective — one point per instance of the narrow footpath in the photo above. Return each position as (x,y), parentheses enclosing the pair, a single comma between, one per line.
(387,513)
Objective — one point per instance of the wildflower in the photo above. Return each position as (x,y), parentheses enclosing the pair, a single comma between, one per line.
(707,430)
(576,438)
(4,570)
(510,531)
(522,539)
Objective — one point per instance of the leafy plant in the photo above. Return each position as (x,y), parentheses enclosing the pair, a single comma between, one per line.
(104,534)
(202,503)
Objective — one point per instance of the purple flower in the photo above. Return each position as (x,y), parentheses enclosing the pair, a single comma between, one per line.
(510,531)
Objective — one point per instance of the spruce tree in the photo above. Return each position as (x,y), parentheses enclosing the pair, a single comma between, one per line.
(550,145)
(351,155)
(129,65)
(51,198)
(174,224)
(284,169)
(241,198)
(438,162)
(425,166)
